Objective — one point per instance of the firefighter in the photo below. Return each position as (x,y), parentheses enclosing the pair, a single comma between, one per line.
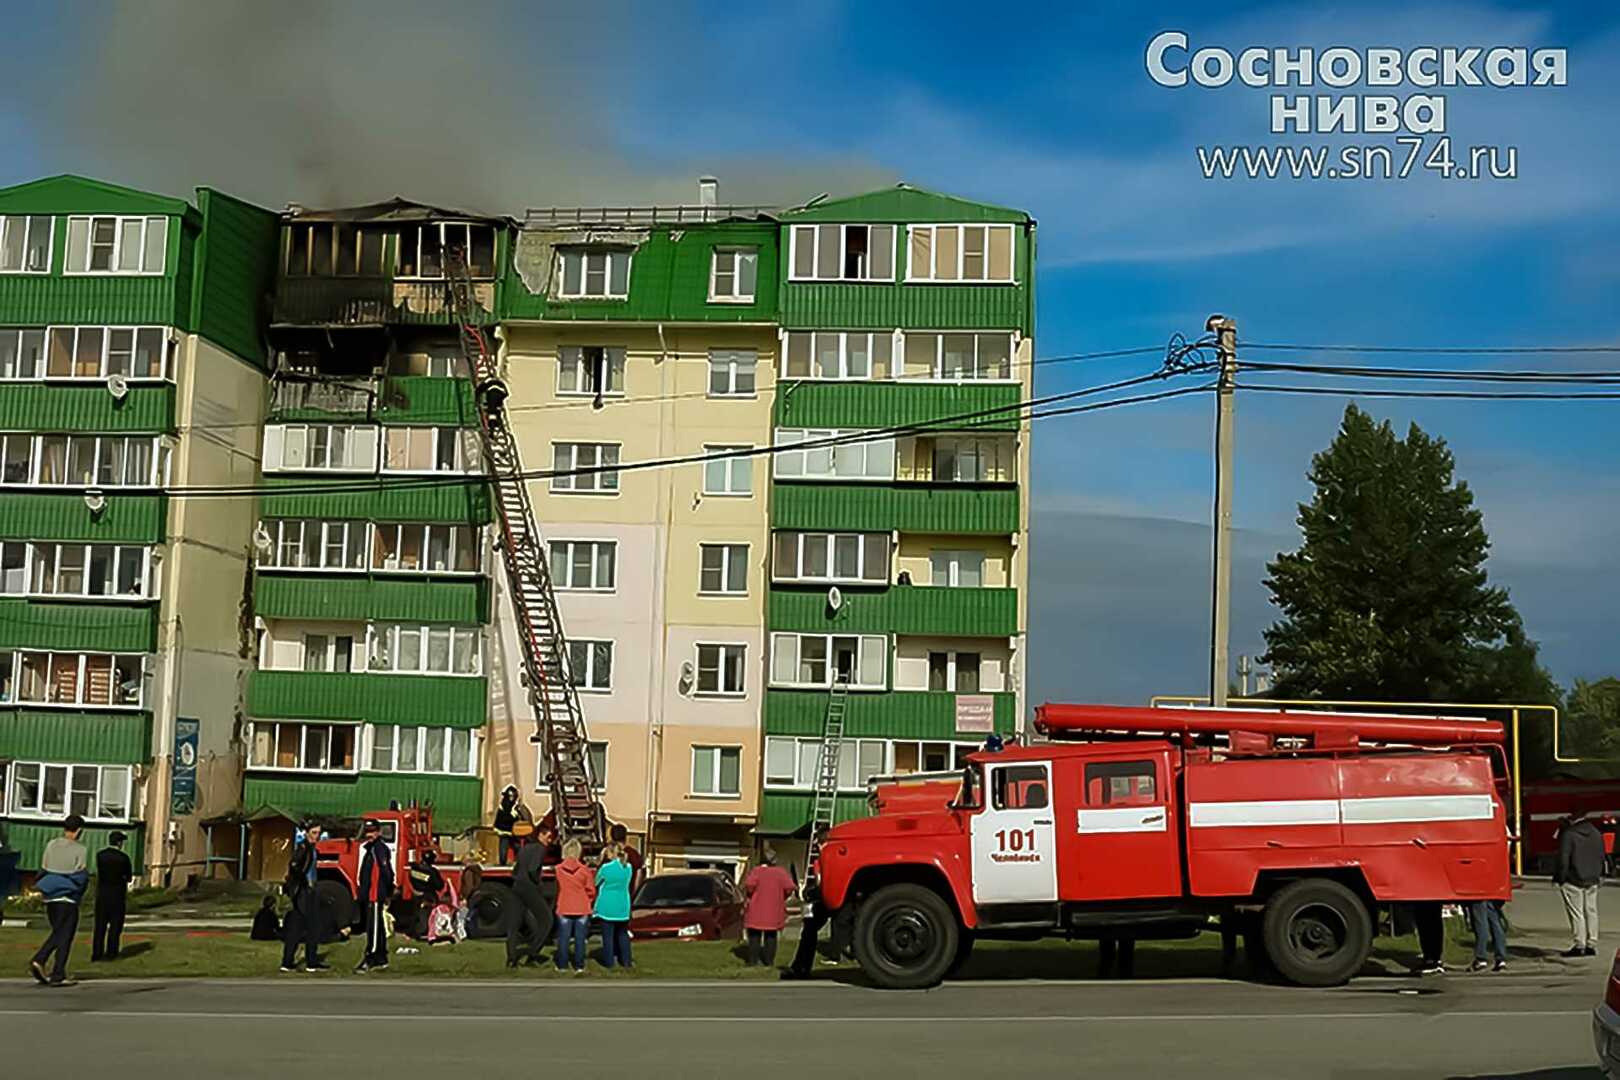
(527,924)
(508,814)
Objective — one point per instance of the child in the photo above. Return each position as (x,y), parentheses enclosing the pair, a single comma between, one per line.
(266,927)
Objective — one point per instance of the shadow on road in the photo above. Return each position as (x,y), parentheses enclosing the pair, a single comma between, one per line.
(1566,1072)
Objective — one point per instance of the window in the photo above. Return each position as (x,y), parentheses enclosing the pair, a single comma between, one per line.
(434,361)
(116,245)
(962,460)
(293,746)
(830,354)
(429,450)
(815,660)
(572,464)
(958,357)
(97,793)
(720,669)
(584,564)
(447,751)
(596,760)
(320,448)
(734,275)
(1120,783)
(967,253)
(843,253)
(65,678)
(341,249)
(91,352)
(832,557)
(724,569)
(827,458)
(716,770)
(328,652)
(590,370)
(956,569)
(728,475)
(410,648)
(83,460)
(423,248)
(594,273)
(1019,787)
(314,545)
(17,456)
(957,672)
(731,372)
(590,663)
(426,549)
(111,571)
(796,763)
(25,244)
(22,354)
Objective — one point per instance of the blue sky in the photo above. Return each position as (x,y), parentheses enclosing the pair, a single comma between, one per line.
(1047,109)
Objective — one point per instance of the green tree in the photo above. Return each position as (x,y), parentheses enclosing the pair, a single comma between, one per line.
(1590,725)
(1387,597)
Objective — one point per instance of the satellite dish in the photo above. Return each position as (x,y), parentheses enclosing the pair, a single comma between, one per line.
(835,598)
(261,539)
(686,672)
(95,500)
(117,386)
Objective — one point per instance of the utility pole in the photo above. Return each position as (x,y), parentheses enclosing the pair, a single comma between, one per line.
(1225,331)
(1243,675)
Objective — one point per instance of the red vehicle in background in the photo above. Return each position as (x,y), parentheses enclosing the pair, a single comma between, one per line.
(1545,805)
(691,905)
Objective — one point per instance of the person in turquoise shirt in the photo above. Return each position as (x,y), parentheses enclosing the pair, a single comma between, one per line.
(613,906)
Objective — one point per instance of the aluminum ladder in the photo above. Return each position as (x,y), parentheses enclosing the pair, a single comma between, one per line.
(832,744)
(559,720)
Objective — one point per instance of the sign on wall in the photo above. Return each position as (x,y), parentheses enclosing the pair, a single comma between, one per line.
(976,712)
(183,788)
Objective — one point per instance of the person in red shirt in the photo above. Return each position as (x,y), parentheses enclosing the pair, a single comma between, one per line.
(619,835)
(768,887)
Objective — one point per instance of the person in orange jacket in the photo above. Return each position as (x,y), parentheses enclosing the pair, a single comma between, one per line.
(576,891)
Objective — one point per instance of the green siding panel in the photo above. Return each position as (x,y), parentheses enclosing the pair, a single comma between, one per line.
(457,801)
(65,736)
(832,305)
(897,714)
(424,399)
(810,404)
(418,700)
(232,273)
(785,813)
(901,204)
(327,596)
(69,194)
(40,624)
(132,519)
(54,407)
(38,300)
(376,500)
(898,609)
(29,838)
(946,508)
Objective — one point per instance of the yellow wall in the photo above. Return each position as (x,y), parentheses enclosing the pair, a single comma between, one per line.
(916,551)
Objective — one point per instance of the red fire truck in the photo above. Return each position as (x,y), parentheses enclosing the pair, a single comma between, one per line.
(1147,823)
(1547,803)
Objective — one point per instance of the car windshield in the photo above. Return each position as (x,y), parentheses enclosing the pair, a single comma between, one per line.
(676,890)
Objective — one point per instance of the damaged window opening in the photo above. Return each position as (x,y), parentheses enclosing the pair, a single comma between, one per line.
(842,253)
(597,273)
(422,249)
(590,370)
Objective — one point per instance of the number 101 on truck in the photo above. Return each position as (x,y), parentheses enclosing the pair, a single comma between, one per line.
(1296,827)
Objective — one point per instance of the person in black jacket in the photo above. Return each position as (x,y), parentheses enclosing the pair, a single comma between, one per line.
(114,872)
(528,927)
(376,887)
(304,922)
(1578,874)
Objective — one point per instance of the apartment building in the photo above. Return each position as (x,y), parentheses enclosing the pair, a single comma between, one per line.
(898,564)
(372,593)
(131,360)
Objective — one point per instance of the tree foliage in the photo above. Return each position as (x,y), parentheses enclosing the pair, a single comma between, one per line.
(1387,598)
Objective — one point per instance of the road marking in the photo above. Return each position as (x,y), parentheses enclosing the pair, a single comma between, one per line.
(1082,1018)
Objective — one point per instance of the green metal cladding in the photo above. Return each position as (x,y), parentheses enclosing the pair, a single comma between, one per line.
(54,407)
(456,701)
(897,609)
(377,500)
(782,813)
(233,273)
(30,837)
(812,404)
(895,714)
(457,801)
(129,519)
(282,595)
(86,626)
(903,204)
(926,508)
(70,736)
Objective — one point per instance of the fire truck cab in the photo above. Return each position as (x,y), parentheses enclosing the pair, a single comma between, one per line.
(1297,826)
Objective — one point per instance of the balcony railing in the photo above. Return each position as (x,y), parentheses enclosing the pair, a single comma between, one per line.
(324,301)
(349,396)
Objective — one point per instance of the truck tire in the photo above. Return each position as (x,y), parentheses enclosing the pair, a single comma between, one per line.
(337,907)
(964,949)
(488,909)
(1317,932)
(906,937)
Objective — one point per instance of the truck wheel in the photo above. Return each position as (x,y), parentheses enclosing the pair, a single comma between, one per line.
(964,949)
(906,937)
(488,909)
(336,905)
(1317,932)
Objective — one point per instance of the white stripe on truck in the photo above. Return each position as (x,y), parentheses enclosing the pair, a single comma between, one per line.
(1384,810)
(1118,819)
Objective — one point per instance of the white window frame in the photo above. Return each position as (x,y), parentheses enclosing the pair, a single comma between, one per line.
(81,680)
(717,771)
(104,368)
(37,811)
(584,681)
(961,254)
(594,748)
(725,549)
(799,232)
(953,560)
(465,457)
(585,254)
(255,726)
(831,539)
(291,531)
(577,366)
(61,553)
(807,750)
(726,648)
(937,372)
(29,222)
(604,483)
(329,651)
(720,475)
(735,256)
(730,364)
(157,469)
(439,227)
(780,641)
(418,733)
(119,221)
(951,672)
(279,437)
(848,369)
(460,538)
(382,647)
(994,454)
(792,461)
(562,569)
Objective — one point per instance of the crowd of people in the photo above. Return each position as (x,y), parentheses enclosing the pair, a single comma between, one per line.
(63,881)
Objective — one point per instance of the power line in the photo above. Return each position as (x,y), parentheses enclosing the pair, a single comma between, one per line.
(1441,374)
(1466,395)
(1451,350)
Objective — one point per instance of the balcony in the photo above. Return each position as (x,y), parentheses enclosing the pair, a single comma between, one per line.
(896,714)
(441,700)
(783,813)
(291,594)
(370,302)
(84,626)
(812,404)
(457,801)
(897,609)
(292,398)
(960,509)
(369,499)
(55,407)
(126,519)
(89,738)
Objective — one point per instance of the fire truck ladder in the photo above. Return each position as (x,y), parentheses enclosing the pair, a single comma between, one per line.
(832,742)
(559,721)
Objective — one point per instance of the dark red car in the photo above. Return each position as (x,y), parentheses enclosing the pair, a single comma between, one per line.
(693,905)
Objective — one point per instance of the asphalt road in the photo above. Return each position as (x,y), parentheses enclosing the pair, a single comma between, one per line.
(1529,1027)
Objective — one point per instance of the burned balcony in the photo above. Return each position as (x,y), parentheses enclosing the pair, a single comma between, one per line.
(291,397)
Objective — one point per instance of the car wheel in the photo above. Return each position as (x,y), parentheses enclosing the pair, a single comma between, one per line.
(1317,932)
(906,937)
